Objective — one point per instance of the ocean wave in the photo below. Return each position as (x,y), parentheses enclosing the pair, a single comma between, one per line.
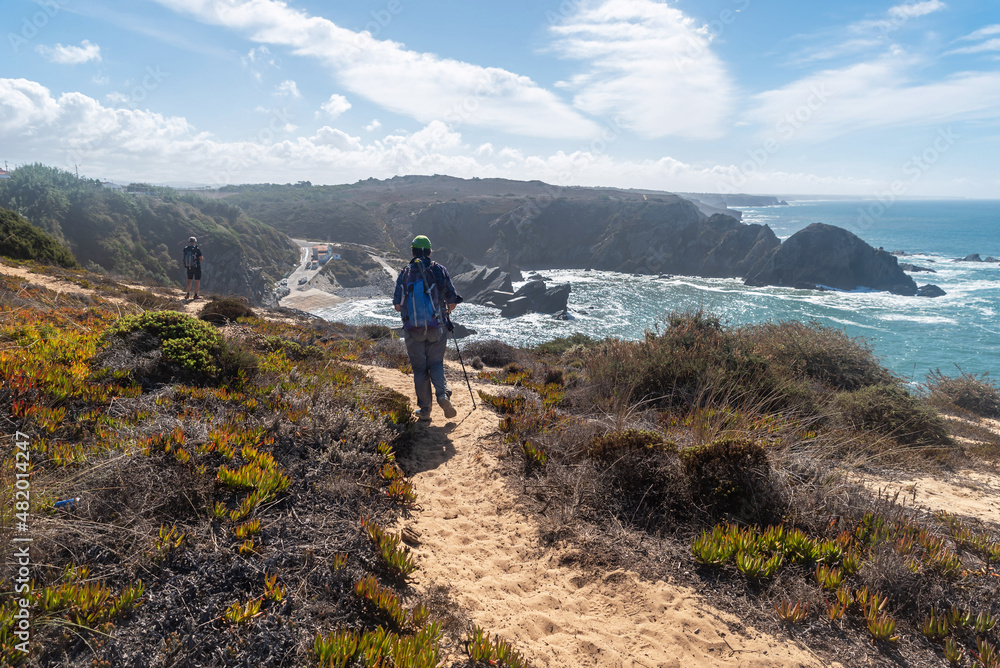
(860,325)
(921,319)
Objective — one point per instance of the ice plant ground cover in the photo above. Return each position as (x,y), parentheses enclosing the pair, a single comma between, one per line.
(233,466)
(234,483)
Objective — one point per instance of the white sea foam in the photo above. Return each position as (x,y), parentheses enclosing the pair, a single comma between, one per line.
(905,331)
(922,319)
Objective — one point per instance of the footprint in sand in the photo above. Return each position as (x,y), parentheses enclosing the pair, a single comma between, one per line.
(492,562)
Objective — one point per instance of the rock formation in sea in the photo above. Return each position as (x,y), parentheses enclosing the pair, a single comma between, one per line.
(828,256)
(906,266)
(536,297)
(480,286)
(976,258)
(930,290)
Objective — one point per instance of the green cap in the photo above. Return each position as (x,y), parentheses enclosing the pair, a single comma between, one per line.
(421,242)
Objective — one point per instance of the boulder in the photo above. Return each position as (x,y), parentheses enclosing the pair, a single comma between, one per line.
(497,298)
(832,257)
(554,299)
(930,290)
(479,285)
(969,258)
(535,297)
(461,331)
(914,268)
(516,307)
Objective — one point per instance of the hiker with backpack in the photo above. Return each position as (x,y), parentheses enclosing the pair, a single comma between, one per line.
(192,262)
(425,297)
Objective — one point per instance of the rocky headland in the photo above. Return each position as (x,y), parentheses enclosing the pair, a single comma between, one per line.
(486,231)
(824,256)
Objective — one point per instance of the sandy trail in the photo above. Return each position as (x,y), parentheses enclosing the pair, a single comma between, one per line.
(475,541)
(966,492)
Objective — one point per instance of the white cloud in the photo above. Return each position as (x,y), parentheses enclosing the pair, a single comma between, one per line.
(983,47)
(651,68)
(864,36)
(138,145)
(70,55)
(875,94)
(419,85)
(374,125)
(912,10)
(288,88)
(436,137)
(257,60)
(327,136)
(987,31)
(336,105)
(259,55)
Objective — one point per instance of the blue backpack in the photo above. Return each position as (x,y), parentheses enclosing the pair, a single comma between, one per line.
(420,299)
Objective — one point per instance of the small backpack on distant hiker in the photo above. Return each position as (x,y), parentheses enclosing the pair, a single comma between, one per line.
(191,255)
(420,299)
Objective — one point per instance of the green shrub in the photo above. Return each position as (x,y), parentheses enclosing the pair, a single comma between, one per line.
(976,394)
(221,310)
(21,240)
(728,476)
(612,445)
(564,343)
(237,362)
(693,360)
(387,403)
(188,345)
(491,353)
(892,411)
(375,332)
(822,353)
(641,482)
(147,300)
(293,349)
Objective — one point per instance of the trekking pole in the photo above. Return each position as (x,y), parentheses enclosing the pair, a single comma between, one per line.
(455,339)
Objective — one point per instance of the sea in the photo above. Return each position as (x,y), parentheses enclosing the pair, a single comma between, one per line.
(912,336)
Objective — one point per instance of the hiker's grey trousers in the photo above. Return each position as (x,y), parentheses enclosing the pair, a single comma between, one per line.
(426,352)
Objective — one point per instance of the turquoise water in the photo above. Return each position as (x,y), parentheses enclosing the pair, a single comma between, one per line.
(911,335)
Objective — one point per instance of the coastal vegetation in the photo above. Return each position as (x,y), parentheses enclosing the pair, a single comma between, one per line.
(736,455)
(20,240)
(218,487)
(139,235)
(311,212)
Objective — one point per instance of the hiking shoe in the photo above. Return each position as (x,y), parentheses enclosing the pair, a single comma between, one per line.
(423,414)
(196,297)
(445,404)
(187,295)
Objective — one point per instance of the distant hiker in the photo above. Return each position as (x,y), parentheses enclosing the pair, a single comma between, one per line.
(192,262)
(425,297)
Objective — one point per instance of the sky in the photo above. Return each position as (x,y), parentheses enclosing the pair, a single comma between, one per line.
(872,99)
